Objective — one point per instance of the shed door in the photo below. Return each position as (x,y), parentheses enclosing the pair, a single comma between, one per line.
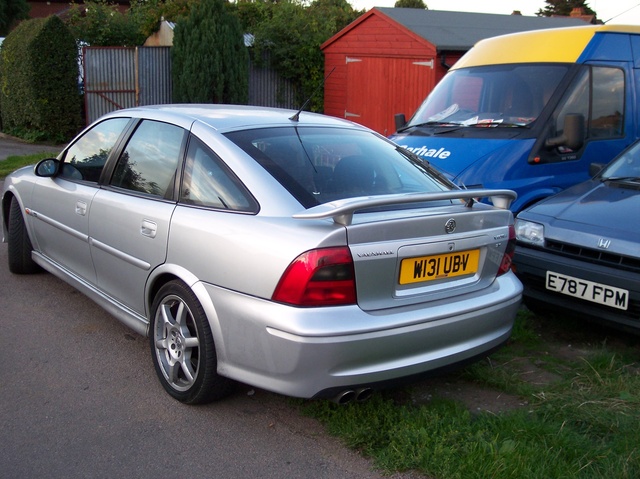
(378,88)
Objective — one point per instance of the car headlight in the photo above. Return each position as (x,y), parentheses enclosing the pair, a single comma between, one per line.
(529,232)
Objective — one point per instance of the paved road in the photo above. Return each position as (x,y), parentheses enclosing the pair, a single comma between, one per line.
(12,146)
(79,399)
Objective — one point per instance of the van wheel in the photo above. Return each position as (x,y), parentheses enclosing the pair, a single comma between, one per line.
(182,347)
(20,248)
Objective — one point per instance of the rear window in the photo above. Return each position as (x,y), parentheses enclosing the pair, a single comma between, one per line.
(318,165)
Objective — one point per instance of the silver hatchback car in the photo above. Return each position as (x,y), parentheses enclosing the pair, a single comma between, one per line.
(294,252)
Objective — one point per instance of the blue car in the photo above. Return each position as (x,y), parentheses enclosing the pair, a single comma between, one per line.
(579,251)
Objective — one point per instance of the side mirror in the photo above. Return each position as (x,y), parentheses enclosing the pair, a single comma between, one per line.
(573,133)
(400,120)
(47,168)
(595,168)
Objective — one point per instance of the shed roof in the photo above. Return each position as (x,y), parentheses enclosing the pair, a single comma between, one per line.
(459,31)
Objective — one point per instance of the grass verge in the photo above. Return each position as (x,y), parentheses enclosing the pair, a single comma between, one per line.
(578,417)
(12,163)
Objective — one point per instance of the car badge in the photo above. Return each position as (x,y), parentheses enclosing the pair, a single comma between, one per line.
(604,243)
(450,226)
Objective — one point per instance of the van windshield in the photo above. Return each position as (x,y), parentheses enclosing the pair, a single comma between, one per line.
(492,96)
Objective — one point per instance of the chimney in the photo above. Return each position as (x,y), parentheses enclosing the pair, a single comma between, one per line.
(516,12)
(577,12)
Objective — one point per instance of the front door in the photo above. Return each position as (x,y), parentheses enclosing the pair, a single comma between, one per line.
(60,216)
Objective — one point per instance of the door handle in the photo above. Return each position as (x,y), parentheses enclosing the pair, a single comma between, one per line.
(81,208)
(148,228)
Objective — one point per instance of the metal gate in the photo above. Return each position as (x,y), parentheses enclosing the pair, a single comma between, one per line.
(124,77)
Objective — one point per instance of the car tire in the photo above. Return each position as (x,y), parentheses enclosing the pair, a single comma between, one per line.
(20,248)
(182,347)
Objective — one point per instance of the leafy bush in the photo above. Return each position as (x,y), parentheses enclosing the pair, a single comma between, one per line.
(39,97)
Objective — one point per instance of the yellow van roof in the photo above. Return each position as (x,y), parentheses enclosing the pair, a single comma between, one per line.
(554,45)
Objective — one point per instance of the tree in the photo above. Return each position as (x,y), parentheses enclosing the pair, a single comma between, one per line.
(292,33)
(12,11)
(411,4)
(252,13)
(100,24)
(563,7)
(147,14)
(209,57)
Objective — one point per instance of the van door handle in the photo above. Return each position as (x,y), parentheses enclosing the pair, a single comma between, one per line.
(148,228)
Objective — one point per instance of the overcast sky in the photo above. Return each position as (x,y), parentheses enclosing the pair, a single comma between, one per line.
(611,11)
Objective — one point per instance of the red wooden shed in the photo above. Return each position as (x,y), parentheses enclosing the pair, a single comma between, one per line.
(389,59)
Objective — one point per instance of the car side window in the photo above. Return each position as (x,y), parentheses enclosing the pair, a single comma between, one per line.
(85,159)
(207,181)
(150,160)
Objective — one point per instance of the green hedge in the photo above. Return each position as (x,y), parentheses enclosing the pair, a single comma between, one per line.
(39,95)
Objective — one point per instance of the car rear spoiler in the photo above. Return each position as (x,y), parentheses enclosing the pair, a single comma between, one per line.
(342,210)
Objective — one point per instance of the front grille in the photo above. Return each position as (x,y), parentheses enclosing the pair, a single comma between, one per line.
(594,256)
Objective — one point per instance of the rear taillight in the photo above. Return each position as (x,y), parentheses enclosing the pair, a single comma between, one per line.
(507,259)
(322,277)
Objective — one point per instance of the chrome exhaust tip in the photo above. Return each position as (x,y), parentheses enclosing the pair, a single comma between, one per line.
(363,394)
(349,395)
(345,397)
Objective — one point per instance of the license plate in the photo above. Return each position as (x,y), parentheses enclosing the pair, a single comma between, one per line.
(429,268)
(588,290)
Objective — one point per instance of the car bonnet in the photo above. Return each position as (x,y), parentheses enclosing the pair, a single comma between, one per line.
(589,212)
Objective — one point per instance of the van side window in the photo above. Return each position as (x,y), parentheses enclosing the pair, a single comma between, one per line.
(598,94)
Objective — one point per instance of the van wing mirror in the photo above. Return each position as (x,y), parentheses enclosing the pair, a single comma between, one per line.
(595,168)
(572,133)
(400,120)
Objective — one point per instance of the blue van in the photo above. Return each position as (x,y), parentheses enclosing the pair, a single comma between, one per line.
(530,111)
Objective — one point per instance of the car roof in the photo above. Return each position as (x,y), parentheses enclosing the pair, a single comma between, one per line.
(232,117)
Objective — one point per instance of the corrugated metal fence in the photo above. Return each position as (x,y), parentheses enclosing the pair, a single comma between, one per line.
(267,88)
(124,77)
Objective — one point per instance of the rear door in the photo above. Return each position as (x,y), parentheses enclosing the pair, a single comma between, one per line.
(129,221)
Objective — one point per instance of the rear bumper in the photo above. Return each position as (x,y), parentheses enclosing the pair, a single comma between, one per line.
(532,265)
(315,352)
